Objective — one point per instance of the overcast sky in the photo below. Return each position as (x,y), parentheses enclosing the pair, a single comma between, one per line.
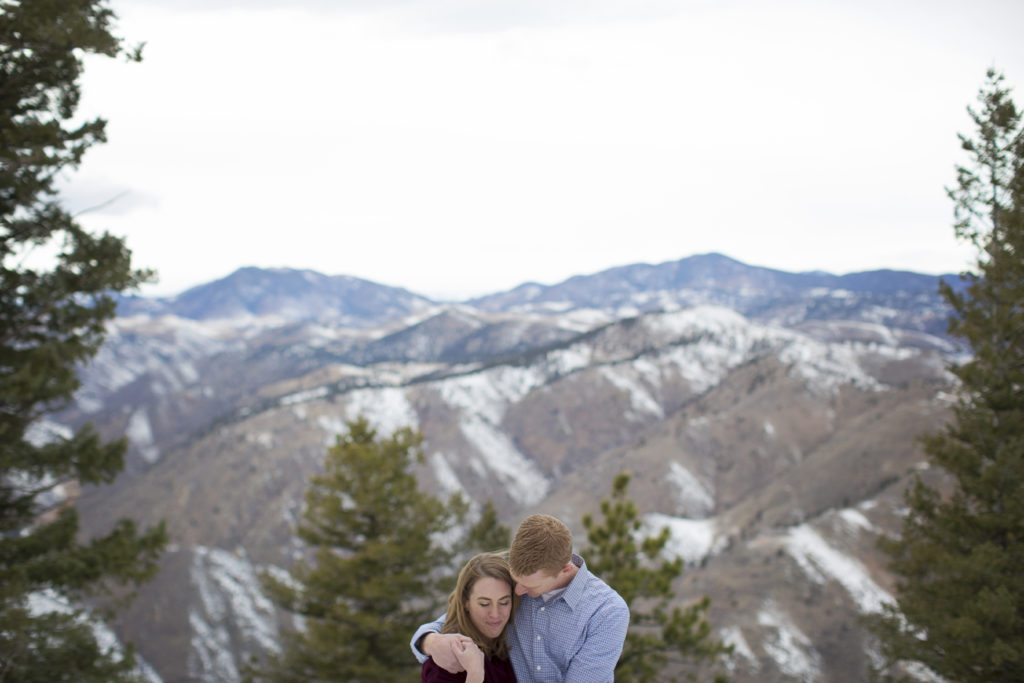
(461,147)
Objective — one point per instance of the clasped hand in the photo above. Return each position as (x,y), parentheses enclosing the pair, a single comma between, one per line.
(456,653)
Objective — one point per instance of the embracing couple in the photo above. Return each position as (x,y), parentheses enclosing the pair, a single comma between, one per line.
(538,616)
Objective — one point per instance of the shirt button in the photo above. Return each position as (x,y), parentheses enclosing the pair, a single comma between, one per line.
(538,667)
(538,637)
(541,609)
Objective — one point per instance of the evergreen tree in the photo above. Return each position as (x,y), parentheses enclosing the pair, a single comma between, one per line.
(52,319)
(659,632)
(488,535)
(380,565)
(959,559)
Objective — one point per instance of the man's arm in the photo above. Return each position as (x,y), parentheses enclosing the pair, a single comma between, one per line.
(429,643)
(606,632)
(425,629)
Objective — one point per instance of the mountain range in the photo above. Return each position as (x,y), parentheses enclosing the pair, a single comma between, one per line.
(769,419)
(756,292)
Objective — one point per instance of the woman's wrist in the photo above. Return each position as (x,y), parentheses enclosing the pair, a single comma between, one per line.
(475,668)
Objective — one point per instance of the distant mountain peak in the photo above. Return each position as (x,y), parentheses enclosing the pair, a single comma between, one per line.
(898,298)
(286,293)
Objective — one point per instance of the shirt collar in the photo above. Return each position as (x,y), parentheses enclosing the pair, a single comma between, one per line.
(577,587)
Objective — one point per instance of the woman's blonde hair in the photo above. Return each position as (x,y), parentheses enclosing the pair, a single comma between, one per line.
(495,566)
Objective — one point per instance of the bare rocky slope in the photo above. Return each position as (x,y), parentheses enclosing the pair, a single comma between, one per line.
(775,443)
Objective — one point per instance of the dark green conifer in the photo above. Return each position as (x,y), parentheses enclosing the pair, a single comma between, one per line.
(660,633)
(959,559)
(381,564)
(52,320)
(488,534)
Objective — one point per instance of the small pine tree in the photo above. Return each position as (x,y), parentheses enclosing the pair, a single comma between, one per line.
(661,632)
(52,320)
(379,567)
(488,534)
(959,559)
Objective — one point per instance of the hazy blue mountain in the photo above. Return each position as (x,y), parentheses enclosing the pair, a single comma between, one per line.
(711,275)
(286,293)
(899,299)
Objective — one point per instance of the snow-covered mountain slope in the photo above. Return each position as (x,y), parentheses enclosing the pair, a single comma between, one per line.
(749,440)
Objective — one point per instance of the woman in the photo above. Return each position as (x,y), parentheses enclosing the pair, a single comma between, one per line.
(480,608)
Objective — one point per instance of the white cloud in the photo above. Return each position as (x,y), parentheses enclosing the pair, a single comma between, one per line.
(465,148)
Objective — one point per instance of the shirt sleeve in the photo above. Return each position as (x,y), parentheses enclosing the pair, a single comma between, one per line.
(433,627)
(606,632)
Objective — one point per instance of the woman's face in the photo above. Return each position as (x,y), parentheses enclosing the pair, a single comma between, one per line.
(490,605)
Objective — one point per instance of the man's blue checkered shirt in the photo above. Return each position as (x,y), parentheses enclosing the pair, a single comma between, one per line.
(577,637)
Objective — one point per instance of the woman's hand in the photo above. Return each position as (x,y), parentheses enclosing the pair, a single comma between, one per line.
(471,658)
(441,648)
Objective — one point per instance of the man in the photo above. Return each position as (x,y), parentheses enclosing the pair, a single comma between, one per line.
(570,625)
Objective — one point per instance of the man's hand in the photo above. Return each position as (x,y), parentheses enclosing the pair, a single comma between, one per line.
(441,648)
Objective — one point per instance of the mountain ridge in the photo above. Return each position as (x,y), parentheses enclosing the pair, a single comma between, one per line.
(287,293)
(303,294)
(775,443)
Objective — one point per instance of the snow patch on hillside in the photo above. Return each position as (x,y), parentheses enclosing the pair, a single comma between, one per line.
(699,320)
(49,601)
(648,371)
(923,673)
(165,348)
(703,364)
(855,520)
(826,367)
(43,431)
(583,319)
(526,483)
(387,409)
(822,562)
(304,396)
(210,659)
(445,475)
(140,433)
(710,341)
(690,539)
(733,635)
(639,397)
(787,645)
(705,343)
(695,498)
(229,593)
(490,392)
(333,427)
(20,482)
(566,361)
